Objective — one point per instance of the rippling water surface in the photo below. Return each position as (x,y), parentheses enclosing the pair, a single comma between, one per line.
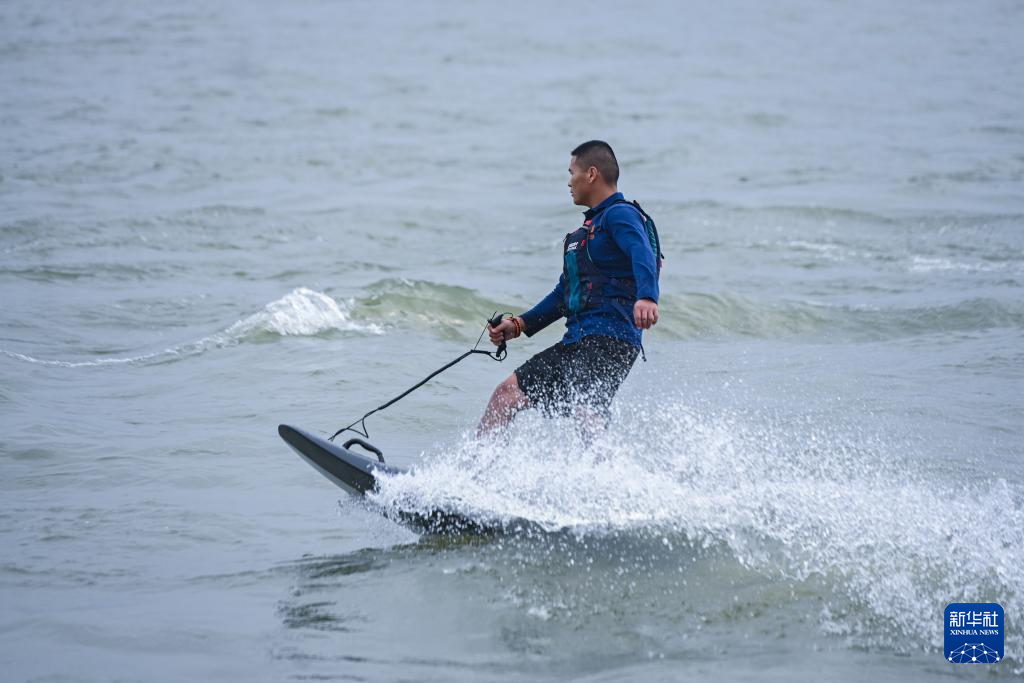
(215,218)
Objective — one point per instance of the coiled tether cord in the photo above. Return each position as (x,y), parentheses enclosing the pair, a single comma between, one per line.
(498,355)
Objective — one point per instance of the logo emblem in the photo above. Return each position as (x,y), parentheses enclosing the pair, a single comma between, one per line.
(975,632)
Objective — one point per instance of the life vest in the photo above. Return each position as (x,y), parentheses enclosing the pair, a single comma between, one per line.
(585,285)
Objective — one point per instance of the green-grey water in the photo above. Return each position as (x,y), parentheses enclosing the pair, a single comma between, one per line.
(215,218)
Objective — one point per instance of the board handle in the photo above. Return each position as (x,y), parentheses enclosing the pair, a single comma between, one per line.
(365,444)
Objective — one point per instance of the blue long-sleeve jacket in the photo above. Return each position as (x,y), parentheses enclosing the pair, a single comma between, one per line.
(620,249)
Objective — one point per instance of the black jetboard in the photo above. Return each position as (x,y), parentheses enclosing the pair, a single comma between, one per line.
(358,474)
(354,472)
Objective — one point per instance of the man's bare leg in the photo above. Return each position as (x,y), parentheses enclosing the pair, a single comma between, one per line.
(507,400)
(590,423)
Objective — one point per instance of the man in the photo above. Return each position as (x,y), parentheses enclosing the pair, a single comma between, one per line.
(608,293)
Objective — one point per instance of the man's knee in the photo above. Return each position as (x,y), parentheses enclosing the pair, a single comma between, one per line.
(509,390)
(511,383)
(505,402)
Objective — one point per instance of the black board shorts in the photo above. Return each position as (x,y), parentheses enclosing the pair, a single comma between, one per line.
(587,372)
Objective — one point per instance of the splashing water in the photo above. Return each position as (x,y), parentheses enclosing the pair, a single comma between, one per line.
(788,500)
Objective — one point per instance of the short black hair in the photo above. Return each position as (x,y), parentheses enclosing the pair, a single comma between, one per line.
(598,153)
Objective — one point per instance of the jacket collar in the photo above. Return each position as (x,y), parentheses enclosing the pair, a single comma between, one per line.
(590,213)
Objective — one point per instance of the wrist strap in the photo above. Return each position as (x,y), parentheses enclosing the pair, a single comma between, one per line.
(518,325)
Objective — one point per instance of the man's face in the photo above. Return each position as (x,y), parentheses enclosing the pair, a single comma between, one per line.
(579,183)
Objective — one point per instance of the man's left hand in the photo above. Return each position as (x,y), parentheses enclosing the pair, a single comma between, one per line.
(645,314)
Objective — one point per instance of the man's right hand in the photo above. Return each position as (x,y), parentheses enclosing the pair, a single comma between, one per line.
(504,331)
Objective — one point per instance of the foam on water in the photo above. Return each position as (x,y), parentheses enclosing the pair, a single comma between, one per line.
(302,312)
(790,500)
(928,264)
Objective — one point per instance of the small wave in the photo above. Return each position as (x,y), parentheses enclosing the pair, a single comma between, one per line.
(929,264)
(450,308)
(86,363)
(88,272)
(698,315)
(814,212)
(302,312)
